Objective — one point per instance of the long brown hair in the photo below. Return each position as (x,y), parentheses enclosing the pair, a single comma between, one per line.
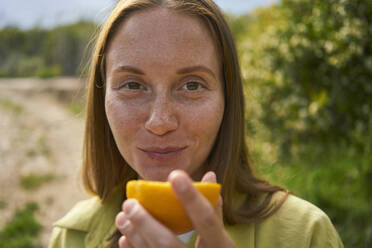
(103,165)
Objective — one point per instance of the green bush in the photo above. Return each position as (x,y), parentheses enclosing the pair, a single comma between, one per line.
(320,61)
(45,53)
(337,180)
(22,230)
(3,204)
(11,106)
(76,108)
(307,72)
(48,72)
(34,181)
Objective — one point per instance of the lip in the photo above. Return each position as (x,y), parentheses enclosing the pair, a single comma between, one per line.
(158,153)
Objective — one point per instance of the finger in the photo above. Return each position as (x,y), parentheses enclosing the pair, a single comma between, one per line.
(125,243)
(155,233)
(203,216)
(206,220)
(219,207)
(210,177)
(128,230)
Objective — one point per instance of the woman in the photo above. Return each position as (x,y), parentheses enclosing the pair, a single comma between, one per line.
(165,102)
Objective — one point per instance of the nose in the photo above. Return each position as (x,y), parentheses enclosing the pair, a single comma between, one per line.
(162,118)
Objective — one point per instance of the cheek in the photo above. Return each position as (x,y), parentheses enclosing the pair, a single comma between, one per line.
(124,120)
(204,121)
(202,124)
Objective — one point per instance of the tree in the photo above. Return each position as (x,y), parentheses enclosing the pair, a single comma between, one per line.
(45,53)
(321,62)
(311,72)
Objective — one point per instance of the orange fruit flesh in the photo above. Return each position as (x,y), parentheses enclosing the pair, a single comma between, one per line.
(160,201)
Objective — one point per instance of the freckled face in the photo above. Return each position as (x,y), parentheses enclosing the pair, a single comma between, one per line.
(164,95)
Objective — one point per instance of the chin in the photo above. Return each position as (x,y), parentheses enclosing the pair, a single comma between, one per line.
(159,172)
(155,175)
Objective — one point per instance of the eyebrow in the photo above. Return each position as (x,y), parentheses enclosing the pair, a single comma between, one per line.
(127,68)
(196,68)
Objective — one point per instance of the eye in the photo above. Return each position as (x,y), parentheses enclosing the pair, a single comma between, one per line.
(132,86)
(193,86)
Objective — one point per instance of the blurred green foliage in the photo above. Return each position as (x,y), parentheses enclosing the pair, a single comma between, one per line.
(76,108)
(22,230)
(307,68)
(45,53)
(11,106)
(3,204)
(320,61)
(336,181)
(34,181)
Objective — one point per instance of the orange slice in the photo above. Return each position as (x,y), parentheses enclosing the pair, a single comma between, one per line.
(160,201)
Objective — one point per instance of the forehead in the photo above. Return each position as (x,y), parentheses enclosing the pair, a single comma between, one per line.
(164,36)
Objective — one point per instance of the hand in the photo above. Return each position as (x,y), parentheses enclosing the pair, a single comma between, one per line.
(141,230)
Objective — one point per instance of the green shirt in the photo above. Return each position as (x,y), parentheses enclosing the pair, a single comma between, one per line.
(296,224)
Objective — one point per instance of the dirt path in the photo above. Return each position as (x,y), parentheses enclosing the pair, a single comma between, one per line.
(40,136)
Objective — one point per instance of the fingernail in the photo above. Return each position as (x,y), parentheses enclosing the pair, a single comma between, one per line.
(210,176)
(122,220)
(129,206)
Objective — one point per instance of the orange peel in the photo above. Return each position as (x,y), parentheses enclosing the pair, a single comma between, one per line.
(161,202)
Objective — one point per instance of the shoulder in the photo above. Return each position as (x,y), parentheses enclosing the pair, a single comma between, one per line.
(71,229)
(89,223)
(80,216)
(295,209)
(62,237)
(297,223)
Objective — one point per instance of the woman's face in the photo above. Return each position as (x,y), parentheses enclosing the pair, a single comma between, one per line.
(164,94)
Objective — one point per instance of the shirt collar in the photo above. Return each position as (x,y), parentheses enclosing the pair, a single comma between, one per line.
(94,217)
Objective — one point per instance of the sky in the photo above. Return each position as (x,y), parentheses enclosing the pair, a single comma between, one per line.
(49,13)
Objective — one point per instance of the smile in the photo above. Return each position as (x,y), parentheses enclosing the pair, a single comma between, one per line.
(163,153)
